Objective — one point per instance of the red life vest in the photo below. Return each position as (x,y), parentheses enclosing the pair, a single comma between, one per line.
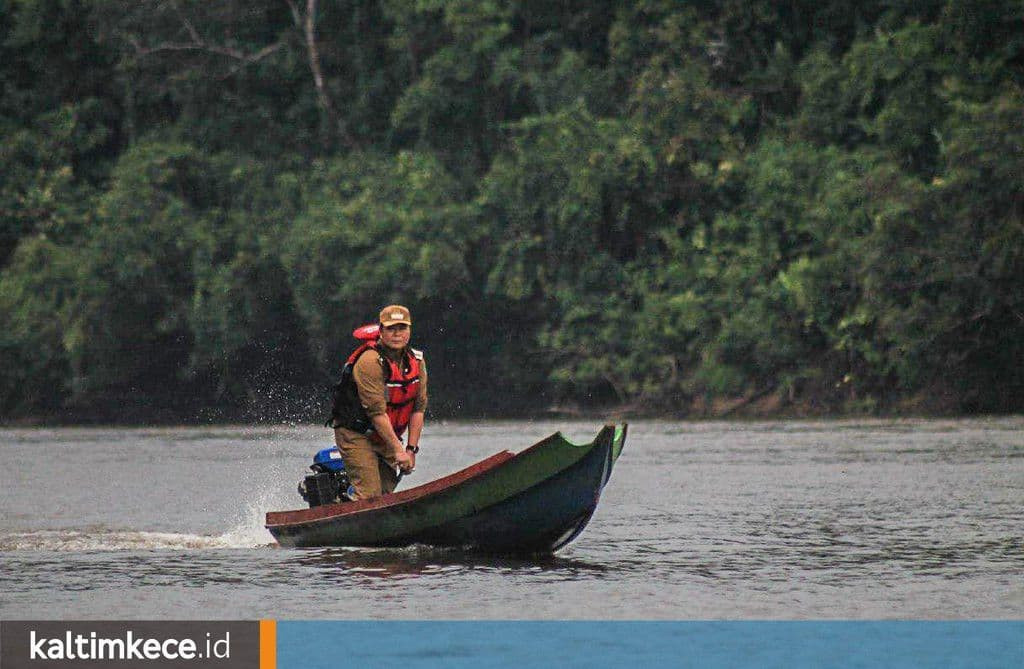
(401,382)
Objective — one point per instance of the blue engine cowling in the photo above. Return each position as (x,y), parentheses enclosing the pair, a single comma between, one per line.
(328,459)
(329,481)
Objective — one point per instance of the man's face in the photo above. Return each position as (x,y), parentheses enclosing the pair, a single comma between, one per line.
(395,336)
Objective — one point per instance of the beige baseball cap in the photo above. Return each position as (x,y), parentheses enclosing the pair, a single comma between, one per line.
(395,313)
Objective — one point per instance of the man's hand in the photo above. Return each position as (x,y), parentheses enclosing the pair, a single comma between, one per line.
(405,460)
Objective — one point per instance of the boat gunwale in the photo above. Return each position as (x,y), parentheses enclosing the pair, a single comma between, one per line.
(330,512)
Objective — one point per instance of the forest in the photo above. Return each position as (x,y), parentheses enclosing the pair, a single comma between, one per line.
(653,208)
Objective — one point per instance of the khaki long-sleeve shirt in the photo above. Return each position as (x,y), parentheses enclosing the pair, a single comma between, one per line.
(369,377)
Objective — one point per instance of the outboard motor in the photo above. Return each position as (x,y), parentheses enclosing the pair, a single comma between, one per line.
(329,481)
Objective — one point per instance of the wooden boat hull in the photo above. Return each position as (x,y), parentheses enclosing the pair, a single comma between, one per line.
(535,501)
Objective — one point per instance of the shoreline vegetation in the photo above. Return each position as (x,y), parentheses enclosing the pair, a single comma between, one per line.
(757,407)
(647,207)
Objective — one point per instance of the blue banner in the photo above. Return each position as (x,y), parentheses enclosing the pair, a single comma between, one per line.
(651,645)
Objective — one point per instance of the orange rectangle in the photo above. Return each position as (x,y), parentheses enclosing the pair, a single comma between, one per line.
(268,644)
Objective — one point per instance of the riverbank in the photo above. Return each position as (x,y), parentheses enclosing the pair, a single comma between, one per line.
(754,406)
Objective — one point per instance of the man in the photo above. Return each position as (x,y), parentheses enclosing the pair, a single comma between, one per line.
(383,392)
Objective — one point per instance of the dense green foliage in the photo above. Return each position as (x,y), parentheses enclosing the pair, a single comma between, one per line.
(673,207)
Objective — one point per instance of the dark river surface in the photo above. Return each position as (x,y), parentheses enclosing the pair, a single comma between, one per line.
(721,520)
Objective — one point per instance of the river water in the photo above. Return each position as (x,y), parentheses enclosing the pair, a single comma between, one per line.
(720,520)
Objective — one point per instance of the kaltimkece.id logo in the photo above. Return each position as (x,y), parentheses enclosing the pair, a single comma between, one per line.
(199,644)
(131,647)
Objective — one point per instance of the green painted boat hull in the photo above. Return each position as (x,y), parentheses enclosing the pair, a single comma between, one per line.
(536,501)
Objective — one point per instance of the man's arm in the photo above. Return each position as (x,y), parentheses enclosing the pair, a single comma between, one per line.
(370,383)
(384,429)
(415,430)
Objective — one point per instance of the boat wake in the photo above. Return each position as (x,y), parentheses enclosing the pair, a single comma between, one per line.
(247,533)
(100,539)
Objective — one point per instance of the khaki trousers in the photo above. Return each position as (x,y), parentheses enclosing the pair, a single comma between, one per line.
(371,467)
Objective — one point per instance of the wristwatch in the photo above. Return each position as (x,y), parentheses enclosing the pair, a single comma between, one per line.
(412,447)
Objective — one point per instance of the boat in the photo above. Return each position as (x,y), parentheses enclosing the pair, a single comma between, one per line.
(535,501)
